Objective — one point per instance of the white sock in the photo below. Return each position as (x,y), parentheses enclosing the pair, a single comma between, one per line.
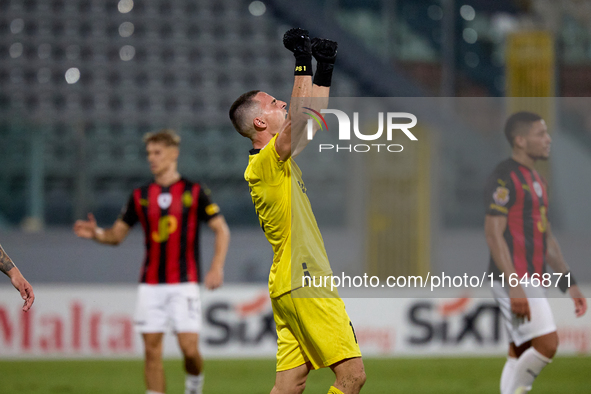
(527,368)
(194,384)
(153,392)
(508,372)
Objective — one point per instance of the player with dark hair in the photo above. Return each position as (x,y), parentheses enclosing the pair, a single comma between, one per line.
(519,124)
(170,209)
(521,242)
(17,279)
(313,332)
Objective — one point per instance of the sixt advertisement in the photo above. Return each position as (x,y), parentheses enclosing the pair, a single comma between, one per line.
(97,322)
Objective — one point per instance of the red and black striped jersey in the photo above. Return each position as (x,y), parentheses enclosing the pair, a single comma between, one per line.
(520,194)
(170,217)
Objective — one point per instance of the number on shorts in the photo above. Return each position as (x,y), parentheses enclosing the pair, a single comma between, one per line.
(352,329)
(307,275)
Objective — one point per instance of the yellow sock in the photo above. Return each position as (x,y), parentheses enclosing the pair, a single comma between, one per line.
(334,390)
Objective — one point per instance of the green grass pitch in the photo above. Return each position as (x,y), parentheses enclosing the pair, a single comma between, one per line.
(403,375)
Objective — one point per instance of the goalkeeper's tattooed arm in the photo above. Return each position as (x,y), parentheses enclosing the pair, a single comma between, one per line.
(17,279)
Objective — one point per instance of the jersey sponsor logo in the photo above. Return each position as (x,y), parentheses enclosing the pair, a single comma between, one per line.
(187,199)
(501,196)
(538,189)
(166,225)
(164,200)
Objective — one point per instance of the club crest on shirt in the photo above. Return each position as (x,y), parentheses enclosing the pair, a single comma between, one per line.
(501,195)
(538,189)
(164,200)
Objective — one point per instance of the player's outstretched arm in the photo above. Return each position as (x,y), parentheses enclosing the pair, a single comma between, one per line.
(298,42)
(88,229)
(17,279)
(325,53)
(558,264)
(215,276)
(494,228)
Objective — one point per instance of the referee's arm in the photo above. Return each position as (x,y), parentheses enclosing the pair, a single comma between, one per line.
(494,228)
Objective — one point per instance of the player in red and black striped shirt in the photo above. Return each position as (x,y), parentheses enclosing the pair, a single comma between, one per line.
(170,209)
(519,236)
(170,217)
(519,193)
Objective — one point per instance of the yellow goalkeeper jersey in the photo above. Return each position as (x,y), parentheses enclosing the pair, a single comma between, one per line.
(284,211)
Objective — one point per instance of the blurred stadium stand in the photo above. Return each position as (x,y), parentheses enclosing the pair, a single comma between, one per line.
(414,38)
(133,68)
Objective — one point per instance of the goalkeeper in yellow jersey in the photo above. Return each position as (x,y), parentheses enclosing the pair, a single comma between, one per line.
(313,329)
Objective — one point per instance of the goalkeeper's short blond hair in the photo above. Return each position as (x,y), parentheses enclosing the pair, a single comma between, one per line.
(167,137)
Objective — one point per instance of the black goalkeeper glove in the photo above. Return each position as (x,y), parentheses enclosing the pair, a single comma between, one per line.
(297,41)
(325,53)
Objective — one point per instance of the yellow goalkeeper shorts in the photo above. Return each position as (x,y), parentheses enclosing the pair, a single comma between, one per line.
(312,329)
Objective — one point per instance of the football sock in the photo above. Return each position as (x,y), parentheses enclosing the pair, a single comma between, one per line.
(153,392)
(508,372)
(194,384)
(527,368)
(334,390)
